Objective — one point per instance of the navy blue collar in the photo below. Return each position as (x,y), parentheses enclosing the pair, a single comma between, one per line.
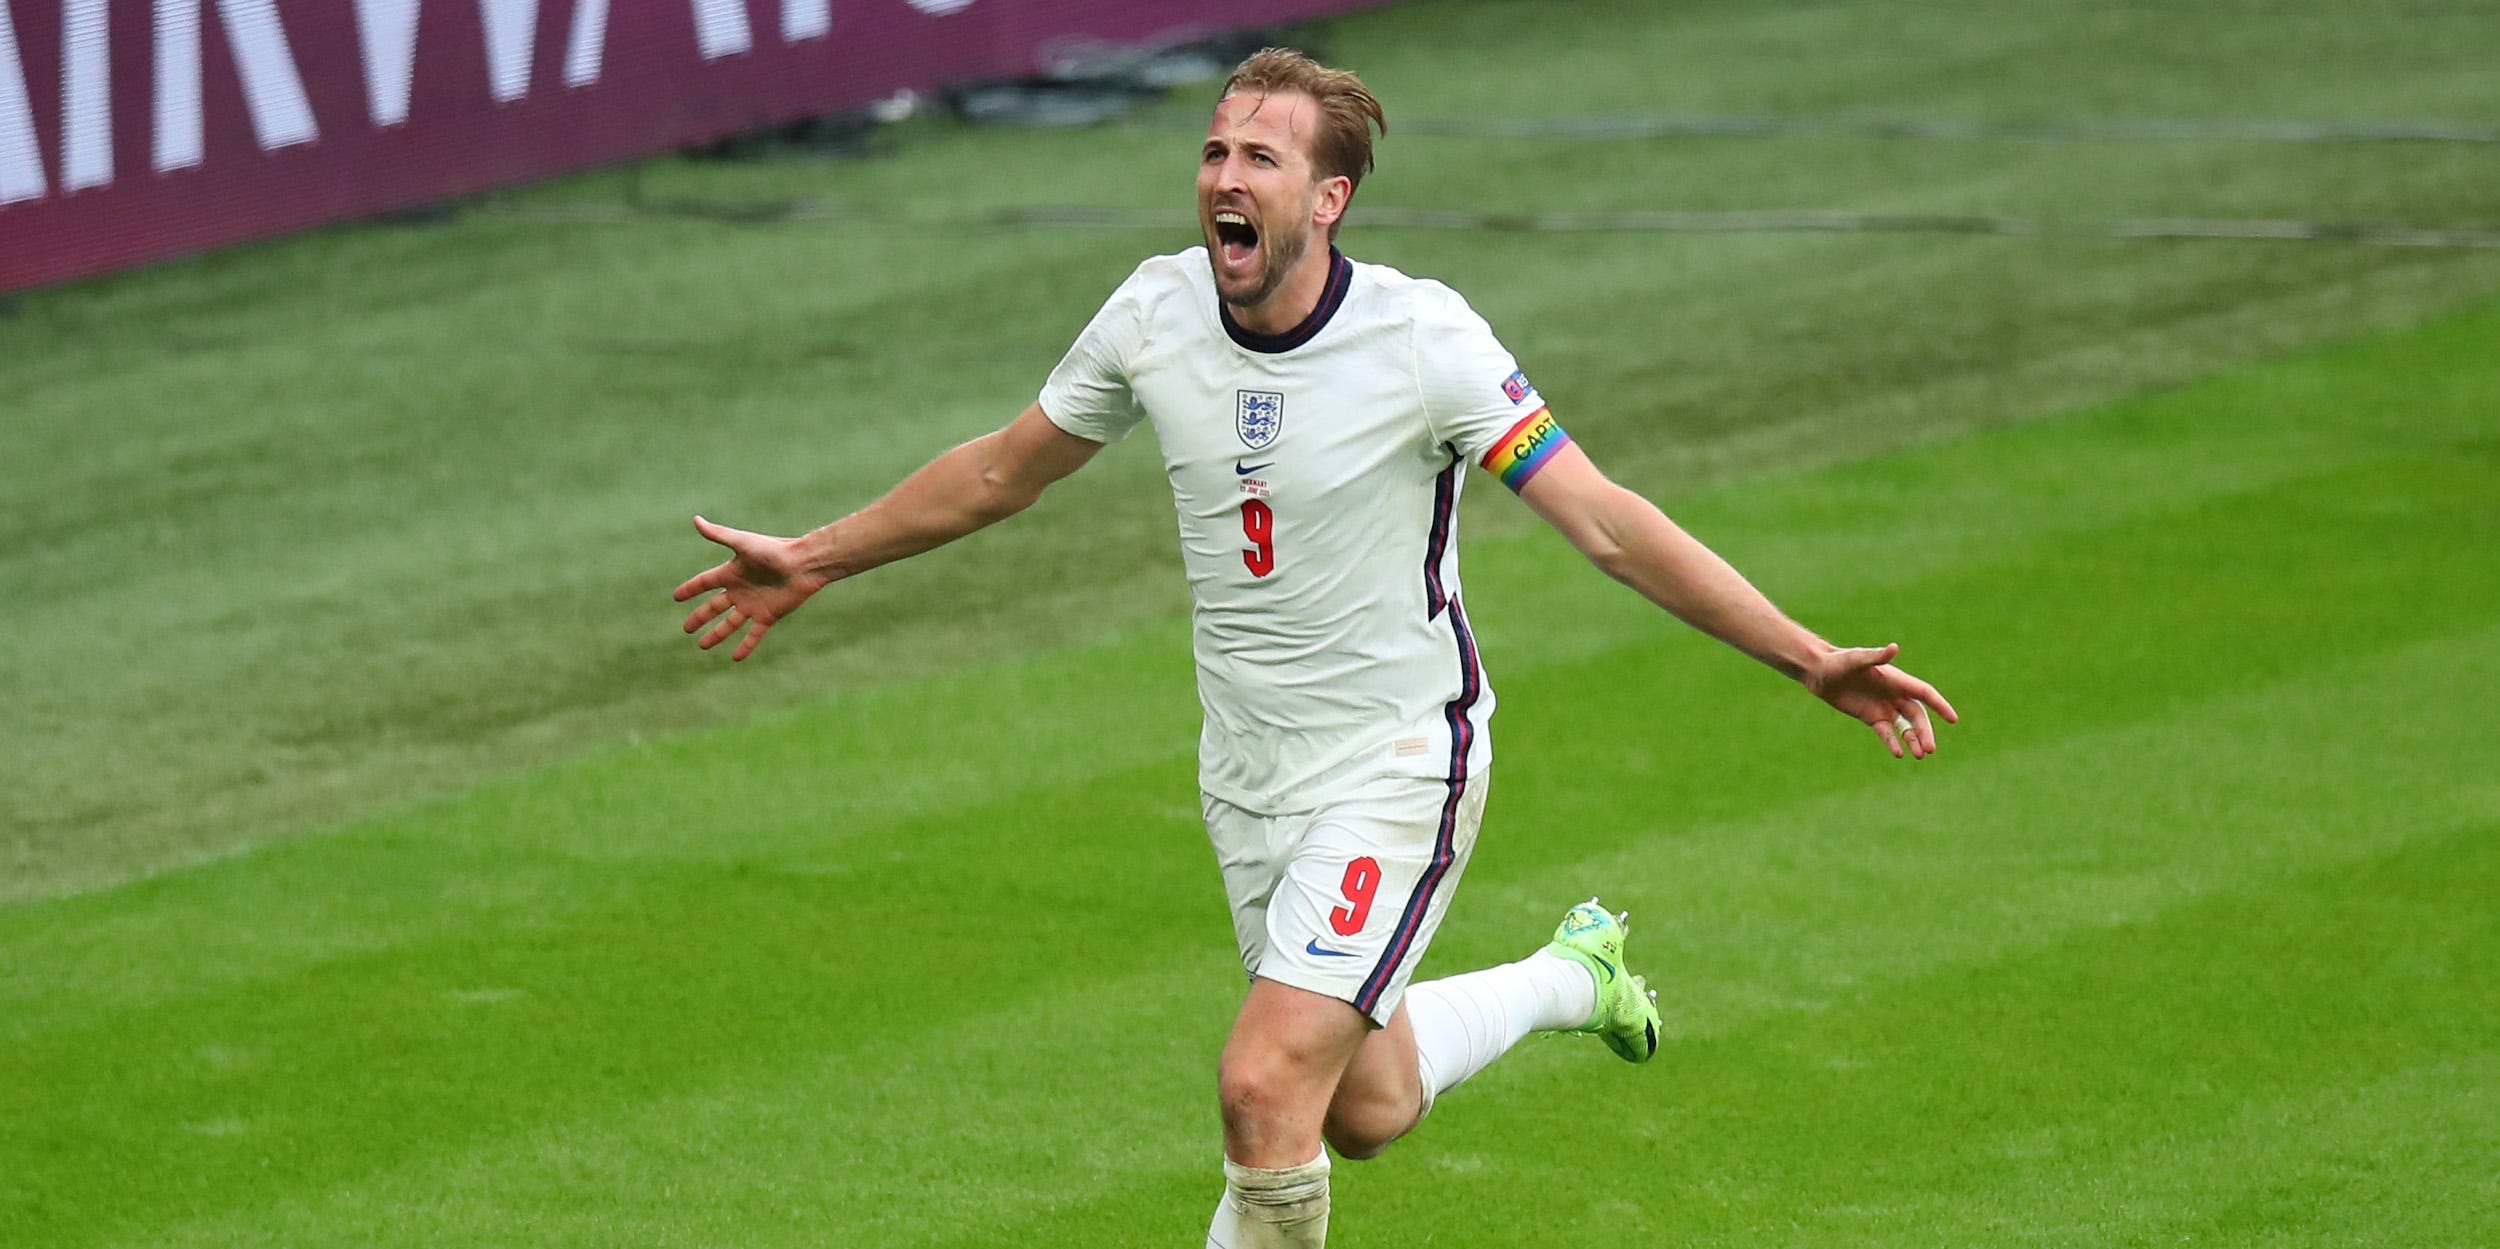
(1340,280)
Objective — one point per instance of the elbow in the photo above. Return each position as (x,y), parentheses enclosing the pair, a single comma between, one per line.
(1616,536)
(1612,559)
(1604,552)
(1000,496)
(1606,549)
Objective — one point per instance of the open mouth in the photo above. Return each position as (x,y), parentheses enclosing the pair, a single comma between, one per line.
(1236,238)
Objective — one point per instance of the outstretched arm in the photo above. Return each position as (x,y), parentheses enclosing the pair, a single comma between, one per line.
(1635,543)
(978,484)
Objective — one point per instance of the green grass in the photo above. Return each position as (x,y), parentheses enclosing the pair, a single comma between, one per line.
(379,866)
(320,525)
(2186,935)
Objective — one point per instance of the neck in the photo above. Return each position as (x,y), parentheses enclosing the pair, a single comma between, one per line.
(1294,298)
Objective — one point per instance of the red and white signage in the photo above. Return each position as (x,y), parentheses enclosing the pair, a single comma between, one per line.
(135,130)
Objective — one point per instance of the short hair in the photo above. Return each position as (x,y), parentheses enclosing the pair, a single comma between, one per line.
(1347,109)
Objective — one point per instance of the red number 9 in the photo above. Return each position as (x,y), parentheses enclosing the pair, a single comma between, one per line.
(1258,524)
(1362,880)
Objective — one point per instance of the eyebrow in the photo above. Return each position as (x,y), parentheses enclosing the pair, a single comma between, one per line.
(1254,145)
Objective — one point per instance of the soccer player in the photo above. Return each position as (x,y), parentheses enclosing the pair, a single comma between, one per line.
(1316,416)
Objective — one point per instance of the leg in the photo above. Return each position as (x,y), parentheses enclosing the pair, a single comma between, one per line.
(1281,1067)
(1382,1096)
(1463,1023)
(1447,1030)
(1345,899)
(1376,876)
(1280,1070)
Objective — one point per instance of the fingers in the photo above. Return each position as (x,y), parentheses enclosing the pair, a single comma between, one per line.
(1927,695)
(713,578)
(1906,729)
(716,576)
(1852,663)
(754,638)
(1911,687)
(1902,716)
(704,613)
(1918,698)
(722,534)
(1904,726)
(728,626)
(726,619)
(1917,731)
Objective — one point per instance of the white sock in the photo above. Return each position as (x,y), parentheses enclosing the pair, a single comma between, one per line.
(1463,1023)
(1272,1208)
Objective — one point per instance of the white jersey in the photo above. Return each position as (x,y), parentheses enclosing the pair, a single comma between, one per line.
(1316,474)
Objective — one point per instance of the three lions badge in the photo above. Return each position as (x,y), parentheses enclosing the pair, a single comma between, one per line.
(1258,417)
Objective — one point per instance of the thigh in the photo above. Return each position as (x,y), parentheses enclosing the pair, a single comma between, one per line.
(1365,887)
(1249,853)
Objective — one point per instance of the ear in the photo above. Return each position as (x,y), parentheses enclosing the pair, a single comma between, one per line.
(1334,194)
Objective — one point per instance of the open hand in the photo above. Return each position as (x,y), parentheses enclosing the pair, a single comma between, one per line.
(1863,684)
(762,581)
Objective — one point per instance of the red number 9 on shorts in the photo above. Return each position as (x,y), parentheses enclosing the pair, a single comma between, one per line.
(1362,880)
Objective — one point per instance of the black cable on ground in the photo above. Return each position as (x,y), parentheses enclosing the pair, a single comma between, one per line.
(1784,221)
(1641,126)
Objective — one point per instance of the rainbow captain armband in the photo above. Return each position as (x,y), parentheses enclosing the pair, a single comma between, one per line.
(1526,449)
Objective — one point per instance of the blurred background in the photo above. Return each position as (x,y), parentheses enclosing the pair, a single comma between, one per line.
(378,862)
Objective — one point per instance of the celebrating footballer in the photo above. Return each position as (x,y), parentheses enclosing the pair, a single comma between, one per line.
(1318,416)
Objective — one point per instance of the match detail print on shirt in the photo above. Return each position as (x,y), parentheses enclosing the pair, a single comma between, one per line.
(1526,449)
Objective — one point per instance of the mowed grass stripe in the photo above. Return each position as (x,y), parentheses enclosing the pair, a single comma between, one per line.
(538,980)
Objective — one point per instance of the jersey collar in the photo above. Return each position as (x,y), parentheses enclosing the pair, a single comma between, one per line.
(1340,280)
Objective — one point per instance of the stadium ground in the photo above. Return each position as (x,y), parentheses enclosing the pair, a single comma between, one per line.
(2186,937)
(400,494)
(385,874)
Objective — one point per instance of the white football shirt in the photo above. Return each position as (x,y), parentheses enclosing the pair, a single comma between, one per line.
(1316,474)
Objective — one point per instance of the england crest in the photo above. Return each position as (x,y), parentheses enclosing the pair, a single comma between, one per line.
(1260,416)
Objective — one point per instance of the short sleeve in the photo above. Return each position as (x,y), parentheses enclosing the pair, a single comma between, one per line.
(1088,395)
(1474,394)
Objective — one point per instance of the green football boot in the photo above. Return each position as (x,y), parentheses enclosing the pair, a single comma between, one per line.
(1627,1008)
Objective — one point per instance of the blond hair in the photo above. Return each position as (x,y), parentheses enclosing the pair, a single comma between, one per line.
(1347,110)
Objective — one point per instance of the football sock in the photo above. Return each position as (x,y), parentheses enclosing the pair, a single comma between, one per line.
(1272,1208)
(1463,1023)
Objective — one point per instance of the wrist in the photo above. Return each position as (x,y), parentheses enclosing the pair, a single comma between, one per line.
(821,554)
(1803,658)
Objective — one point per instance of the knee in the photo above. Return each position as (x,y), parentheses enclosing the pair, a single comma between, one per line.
(1252,1093)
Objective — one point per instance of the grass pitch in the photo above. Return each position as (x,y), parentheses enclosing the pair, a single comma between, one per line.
(2186,936)
(390,872)
(376,513)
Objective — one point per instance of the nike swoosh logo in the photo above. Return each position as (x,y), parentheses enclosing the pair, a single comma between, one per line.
(1316,948)
(1240,471)
(1610,968)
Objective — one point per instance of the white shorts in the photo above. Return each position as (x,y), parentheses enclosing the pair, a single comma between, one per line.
(1342,900)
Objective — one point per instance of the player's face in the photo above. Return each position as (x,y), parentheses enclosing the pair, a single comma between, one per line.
(1261,202)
